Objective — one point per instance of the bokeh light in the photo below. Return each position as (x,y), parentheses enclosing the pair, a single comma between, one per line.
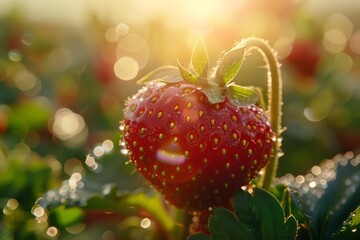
(355,42)
(52,231)
(126,68)
(68,125)
(145,223)
(15,55)
(12,204)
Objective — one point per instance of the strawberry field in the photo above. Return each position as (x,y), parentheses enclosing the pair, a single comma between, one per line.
(178,120)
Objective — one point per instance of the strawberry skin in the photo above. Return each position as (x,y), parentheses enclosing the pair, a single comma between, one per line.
(196,153)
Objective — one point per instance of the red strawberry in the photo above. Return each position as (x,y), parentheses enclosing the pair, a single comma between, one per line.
(197,144)
(304,57)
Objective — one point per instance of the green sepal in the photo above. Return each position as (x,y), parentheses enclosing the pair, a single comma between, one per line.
(229,65)
(167,74)
(200,59)
(186,74)
(213,92)
(241,96)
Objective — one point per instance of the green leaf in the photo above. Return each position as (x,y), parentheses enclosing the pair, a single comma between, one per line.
(64,217)
(31,114)
(229,65)
(125,203)
(291,227)
(233,227)
(241,96)
(186,74)
(198,236)
(351,227)
(271,215)
(199,59)
(217,229)
(168,74)
(328,198)
(24,175)
(286,202)
(244,207)
(258,216)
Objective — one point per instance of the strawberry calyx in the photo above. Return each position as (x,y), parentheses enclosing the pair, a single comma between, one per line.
(218,84)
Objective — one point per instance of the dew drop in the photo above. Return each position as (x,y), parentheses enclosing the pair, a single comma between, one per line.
(124,151)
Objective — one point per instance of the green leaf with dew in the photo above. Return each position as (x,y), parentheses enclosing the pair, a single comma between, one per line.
(326,209)
(351,227)
(126,203)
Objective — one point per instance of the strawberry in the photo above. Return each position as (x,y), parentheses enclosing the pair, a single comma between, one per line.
(197,139)
(304,57)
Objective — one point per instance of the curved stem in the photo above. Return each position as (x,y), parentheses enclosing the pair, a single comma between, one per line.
(274,101)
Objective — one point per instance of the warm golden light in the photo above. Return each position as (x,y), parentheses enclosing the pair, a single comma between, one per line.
(67,124)
(126,68)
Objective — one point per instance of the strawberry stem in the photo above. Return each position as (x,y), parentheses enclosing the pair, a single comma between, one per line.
(274,101)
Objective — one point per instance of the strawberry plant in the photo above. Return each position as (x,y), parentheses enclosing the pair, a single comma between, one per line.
(187,140)
(211,148)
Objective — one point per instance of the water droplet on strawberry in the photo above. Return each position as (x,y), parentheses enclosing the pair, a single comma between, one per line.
(171,153)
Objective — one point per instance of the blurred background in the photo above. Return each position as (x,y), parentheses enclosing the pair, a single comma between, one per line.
(66,68)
